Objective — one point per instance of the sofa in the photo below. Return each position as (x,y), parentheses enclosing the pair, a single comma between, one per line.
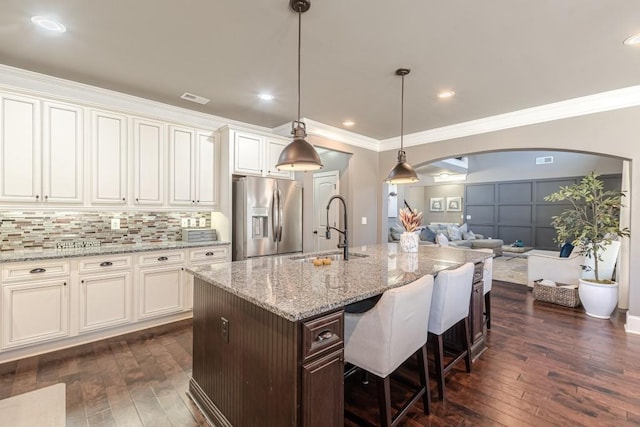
(456,235)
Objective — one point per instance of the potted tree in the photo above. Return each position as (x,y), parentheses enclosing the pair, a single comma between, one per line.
(592,223)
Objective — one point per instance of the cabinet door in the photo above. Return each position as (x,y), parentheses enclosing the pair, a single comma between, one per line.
(62,147)
(33,312)
(105,300)
(109,153)
(476,316)
(248,154)
(160,291)
(181,157)
(148,168)
(323,391)
(20,149)
(206,165)
(274,148)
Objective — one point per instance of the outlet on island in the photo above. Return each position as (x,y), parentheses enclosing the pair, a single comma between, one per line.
(224,329)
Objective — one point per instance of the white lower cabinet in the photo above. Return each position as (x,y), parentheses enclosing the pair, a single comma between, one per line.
(34,312)
(105,300)
(198,257)
(160,289)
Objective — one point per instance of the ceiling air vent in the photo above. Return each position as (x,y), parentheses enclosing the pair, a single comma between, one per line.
(195,98)
(544,160)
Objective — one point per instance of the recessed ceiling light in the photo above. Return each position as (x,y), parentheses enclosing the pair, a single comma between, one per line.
(348,123)
(266,97)
(446,94)
(634,39)
(49,24)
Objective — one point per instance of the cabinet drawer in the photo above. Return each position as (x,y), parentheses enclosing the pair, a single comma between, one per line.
(104,264)
(161,258)
(477,272)
(34,271)
(215,254)
(322,334)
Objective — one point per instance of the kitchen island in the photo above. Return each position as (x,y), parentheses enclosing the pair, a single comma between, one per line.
(268,332)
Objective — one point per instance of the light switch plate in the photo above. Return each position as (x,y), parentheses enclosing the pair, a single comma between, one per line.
(184,222)
(115,223)
(468,216)
(203,222)
(364,220)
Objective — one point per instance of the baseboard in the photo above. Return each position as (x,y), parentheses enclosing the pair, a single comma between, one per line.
(633,324)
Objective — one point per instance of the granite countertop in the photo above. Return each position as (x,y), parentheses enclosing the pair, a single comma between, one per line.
(43,254)
(297,290)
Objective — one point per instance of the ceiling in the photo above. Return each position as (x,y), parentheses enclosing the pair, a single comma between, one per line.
(498,56)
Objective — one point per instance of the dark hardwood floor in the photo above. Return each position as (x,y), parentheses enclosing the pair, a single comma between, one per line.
(545,365)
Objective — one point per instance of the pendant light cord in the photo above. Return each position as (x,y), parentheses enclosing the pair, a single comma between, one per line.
(402,116)
(299,54)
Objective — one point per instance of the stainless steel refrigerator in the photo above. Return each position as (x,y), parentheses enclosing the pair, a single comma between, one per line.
(267,217)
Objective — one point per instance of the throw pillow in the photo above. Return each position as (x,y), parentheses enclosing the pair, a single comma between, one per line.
(566,250)
(453,232)
(468,236)
(427,235)
(395,231)
(442,240)
(464,228)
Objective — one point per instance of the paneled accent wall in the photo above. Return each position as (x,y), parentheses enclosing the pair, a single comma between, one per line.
(37,229)
(512,210)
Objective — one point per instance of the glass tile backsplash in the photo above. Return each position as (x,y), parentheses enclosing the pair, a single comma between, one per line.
(33,229)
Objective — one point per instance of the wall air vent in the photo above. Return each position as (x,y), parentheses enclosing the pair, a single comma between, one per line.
(544,160)
(195,98)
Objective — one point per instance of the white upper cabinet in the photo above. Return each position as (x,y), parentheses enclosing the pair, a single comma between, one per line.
(193,157)
(149,162)
(109,154)
(41,166)
(62,157)
(20,149)
(274,148)
(257,155)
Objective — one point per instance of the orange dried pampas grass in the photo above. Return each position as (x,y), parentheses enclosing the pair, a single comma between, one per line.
(411,220)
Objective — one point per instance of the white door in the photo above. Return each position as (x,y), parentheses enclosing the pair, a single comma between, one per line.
(148,168)
(109,152)
(160,291)
(206,165)
(325,185)
(105,300)
(33,312)
(274,148)
(248,153)
(181,185)
(20,145)
(62,153)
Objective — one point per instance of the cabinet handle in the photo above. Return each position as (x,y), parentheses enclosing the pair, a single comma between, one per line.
(123,199)
(46,197)
(106,264)
(193,201)
(137,200)
(65,283)
(37,197)
(162,258)
(38,270)
(81,281)
(209,254)
(197,201)
(324,335)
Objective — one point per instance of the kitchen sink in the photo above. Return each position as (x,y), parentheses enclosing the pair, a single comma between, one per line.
(333,256)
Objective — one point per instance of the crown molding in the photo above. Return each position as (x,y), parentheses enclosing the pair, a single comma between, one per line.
(333,133)
(600,102)
(42,85)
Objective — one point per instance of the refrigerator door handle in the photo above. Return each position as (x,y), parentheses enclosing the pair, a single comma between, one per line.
(280,216)
(274,212)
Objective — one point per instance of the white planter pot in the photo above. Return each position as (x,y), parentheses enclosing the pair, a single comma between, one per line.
(599,300)
(409,241)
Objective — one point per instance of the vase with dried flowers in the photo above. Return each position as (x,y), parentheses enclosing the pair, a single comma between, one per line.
(411,220)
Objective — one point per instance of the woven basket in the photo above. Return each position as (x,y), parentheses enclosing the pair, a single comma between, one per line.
(556,295)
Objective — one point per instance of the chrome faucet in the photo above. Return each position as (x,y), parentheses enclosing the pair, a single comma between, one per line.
(345,241)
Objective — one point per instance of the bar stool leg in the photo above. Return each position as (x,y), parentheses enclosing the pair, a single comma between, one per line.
(487,308)
(384,401)
(438,357)
(423,369)
(467,336)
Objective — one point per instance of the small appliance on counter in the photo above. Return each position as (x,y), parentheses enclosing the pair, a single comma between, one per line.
(199,235)
(267,217)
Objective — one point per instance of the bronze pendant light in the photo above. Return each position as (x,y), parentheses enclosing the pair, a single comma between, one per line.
(299,155)
(402,172)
